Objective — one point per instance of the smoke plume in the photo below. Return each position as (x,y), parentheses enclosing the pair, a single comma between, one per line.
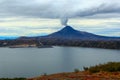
(64,21)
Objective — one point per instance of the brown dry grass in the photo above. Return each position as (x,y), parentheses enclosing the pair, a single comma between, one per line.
(80,76)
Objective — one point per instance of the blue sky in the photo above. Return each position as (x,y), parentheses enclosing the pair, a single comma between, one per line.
(41,17)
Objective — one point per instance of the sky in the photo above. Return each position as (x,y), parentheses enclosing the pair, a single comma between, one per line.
(42,17)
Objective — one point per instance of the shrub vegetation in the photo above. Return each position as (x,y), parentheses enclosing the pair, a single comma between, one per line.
(108,67)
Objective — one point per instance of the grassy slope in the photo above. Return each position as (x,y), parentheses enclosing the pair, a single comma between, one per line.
(108,71)
(80,76)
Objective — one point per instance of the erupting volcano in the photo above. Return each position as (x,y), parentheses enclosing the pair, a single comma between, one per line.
(70,33)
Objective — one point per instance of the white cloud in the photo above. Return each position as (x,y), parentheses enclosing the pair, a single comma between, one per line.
(34,27)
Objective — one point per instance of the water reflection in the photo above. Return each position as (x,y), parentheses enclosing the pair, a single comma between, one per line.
(67,58)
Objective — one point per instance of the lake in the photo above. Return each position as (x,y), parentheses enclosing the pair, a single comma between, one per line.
(30,62)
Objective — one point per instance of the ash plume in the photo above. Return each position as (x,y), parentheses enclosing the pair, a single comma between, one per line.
(64,21)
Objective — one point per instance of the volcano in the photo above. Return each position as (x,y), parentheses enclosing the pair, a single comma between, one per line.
(68,36)
(69,33)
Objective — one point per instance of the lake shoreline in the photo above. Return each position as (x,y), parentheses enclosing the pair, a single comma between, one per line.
(106,71)
(82,75)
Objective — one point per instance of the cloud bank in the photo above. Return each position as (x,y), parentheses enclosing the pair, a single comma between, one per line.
(59,8)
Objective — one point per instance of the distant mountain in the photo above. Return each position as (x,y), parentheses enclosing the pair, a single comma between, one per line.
(7,37)
(69,33)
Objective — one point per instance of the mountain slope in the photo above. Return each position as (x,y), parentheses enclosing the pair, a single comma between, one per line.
(69,33)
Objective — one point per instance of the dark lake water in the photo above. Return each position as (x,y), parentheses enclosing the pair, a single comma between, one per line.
(30,62)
